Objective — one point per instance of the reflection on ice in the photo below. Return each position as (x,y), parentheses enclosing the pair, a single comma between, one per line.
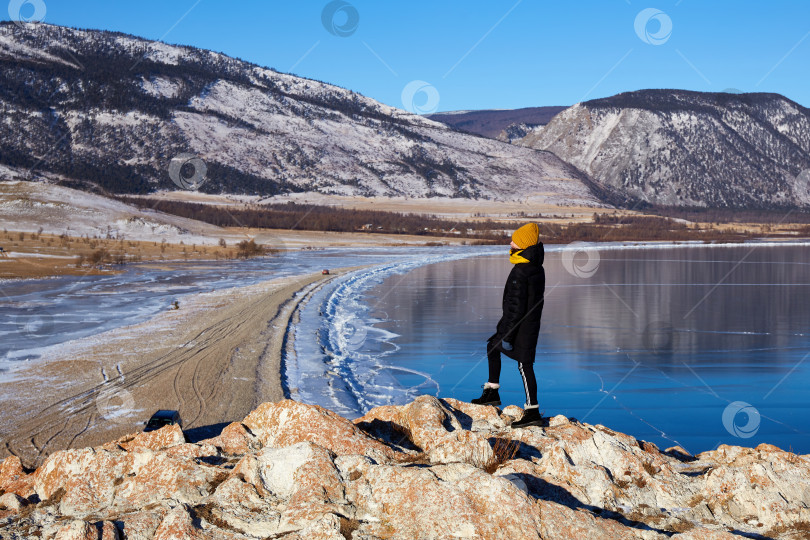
(627,347)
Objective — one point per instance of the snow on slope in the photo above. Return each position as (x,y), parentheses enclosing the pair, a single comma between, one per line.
(681,148)
(27,206)
(118,123)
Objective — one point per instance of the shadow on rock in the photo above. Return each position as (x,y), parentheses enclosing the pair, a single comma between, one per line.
(197,434)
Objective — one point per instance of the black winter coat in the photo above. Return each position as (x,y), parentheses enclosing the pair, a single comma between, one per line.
(522,307)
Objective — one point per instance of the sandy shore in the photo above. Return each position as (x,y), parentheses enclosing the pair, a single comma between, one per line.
(215,359)
(32,256)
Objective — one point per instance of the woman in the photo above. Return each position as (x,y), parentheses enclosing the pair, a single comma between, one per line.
(517,331)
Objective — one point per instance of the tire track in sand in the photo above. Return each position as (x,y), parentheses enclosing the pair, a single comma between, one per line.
(225,352)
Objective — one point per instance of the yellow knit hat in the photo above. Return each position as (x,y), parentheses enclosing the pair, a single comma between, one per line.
(526,236)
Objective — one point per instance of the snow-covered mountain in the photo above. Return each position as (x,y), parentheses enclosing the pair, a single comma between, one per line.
(682,148)
(111,111)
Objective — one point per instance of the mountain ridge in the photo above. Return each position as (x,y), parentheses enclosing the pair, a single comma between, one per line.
(685,148)
(111,111)
(495,123)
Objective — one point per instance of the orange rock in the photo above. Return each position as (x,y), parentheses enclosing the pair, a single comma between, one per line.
(87,477)
(162,477)
(108,531)
(570,432)
(234,439)
(649,447)
(558,420)
(162,438)
(765,447)
(446,501)
(116,444)
(438,432)
(11,470)
(83,530)
(288,422)
(247,470)
(92,480)
(178,525)
(244,496)
(385,423)
(14,479)
(327,527)
(383,413)
(141,524)
(471,411)
(305,472)
(189,450)
(280,490)
(679,453)
(77,530)
(560,522)
(303,475)
(316,485)
(12,502)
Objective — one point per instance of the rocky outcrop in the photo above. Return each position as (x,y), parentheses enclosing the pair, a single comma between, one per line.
(434,468)
(682,148)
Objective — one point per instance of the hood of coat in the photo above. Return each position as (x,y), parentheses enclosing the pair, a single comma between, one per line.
(531,255)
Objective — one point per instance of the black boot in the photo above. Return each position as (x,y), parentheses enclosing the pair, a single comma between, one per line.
(489,397)
(531,417)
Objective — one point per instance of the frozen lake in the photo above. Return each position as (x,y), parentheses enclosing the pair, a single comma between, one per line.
(44,313)
(695,346)
(691,345)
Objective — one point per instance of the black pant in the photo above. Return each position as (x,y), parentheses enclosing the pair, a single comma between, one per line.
(526,373)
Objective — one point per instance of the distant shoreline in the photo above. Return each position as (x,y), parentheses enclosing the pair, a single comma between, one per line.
(652,244)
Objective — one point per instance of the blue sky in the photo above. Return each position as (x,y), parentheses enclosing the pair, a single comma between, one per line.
(493,54)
